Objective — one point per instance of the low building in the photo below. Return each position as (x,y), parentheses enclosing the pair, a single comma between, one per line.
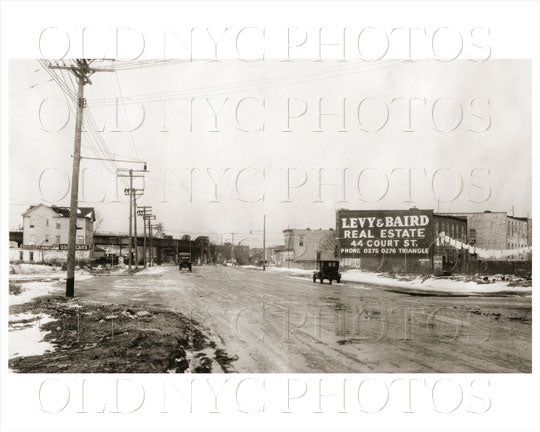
(45,235)
(282,256)
(48,226)
(304,246)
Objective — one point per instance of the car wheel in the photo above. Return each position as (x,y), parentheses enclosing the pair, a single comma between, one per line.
(321,279)
(314,278)
(338,280)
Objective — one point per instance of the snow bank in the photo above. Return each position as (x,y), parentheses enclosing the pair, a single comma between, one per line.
(26,336)
(432,284)
(291,270)
(154,270)
(32,269)
(417,283)
(251,267)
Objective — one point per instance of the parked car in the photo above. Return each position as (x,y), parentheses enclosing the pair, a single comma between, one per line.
(327,270)
(184,261)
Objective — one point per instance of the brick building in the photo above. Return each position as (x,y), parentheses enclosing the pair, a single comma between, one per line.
(447,257)
(498,231)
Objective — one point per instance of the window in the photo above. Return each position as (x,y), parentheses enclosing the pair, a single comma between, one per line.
(46,222)
(57,239)
(80,239)
(472,236)
(301,241)
(46,239)
(58,226)
(21,256)
(32,222)
(31,256)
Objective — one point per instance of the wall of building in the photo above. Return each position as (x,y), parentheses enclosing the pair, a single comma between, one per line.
(517,233)
(455,227)
(487,230)
(86,231)
(44,227)
(282,258)
(306,243)
(497,230)
(47,256)
(39,227)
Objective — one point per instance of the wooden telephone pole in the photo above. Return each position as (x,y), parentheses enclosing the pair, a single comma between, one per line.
(131,191)
(148,218)
(159,228)
(264,243)
(144,212)
(82,70)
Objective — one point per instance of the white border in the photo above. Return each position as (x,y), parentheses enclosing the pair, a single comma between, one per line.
(514,397)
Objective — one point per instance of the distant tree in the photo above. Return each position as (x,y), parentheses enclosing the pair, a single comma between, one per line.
(328,242)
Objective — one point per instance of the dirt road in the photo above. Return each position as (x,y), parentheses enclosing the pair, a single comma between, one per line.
(277,322)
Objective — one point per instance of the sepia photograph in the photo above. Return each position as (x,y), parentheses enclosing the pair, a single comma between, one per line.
(292,205)
(285,217)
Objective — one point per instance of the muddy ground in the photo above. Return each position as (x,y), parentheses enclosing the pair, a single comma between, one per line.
(94,337)
(223,318)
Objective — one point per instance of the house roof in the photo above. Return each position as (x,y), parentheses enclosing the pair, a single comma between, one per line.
(82,212)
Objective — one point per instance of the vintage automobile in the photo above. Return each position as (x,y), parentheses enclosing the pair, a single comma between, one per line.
(184,261)
(327,270)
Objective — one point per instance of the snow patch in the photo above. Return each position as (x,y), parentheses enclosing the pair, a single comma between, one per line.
(26,335)
(32,269)
(31,290)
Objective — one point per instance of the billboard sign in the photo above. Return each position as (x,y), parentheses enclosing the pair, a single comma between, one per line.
(384,232)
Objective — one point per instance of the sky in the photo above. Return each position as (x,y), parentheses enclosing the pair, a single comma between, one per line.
(466,140)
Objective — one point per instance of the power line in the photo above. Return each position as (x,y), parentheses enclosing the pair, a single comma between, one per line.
(301,77)
(82,70)
(126,116)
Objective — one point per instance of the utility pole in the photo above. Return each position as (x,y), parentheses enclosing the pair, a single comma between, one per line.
(130,219)
(82,71)
(136,193)
(264,243)
(151,255)
(149,217)
(144,211)
(132,209)
(158,227)
(233,248)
